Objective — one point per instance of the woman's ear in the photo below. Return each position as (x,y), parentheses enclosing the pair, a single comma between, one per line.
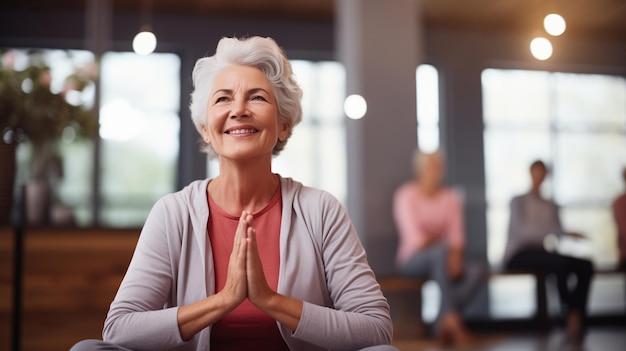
(284,131)
(205,134)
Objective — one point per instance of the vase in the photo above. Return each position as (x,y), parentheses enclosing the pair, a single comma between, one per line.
(37,202)
(7,180)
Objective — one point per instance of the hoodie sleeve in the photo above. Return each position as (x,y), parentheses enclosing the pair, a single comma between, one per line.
(137,318)
(359,316)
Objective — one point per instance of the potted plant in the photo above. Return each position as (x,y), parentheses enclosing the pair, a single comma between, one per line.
(31,112)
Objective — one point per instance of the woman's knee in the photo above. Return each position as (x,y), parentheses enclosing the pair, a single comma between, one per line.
(380,348)
(86,345)
(580,266)
(96,345)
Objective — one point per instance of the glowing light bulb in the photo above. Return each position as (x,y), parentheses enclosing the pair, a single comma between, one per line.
(541,48)
(554,24)
(355,106)
(144,43)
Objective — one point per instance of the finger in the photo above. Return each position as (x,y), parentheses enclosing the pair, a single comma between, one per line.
(242,226)
(253,258)
(239,243)
(254,269)
(251,239)
(241,247)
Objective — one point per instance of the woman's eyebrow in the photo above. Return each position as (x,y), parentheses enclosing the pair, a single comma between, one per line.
(225,91)
(256,90)
(250,91)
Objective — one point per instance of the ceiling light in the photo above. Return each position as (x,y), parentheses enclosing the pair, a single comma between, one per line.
(145,41)
(541,48)
(355,106)
(554,24)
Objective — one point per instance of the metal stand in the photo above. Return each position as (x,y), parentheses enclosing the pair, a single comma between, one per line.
(18,260)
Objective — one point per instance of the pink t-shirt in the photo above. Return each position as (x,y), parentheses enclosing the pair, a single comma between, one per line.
(420,218)
(246,327)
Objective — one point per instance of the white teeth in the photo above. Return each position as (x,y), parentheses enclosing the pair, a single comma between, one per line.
(242,131)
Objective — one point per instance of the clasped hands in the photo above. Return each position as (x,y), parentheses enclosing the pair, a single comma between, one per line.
(246,278)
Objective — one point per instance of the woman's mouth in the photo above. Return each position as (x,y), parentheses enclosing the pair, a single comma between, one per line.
(241,131)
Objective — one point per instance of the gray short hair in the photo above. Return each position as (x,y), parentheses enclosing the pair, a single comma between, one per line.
(419,157)
(258,52)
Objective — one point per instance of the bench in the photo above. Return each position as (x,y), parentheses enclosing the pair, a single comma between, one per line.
(405,298)
(540,318)
(405,301)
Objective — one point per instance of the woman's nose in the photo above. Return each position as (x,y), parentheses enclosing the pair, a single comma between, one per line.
(240,109)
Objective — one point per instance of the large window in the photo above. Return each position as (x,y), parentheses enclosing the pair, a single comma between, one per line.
(65,162)
(316,153)
(576,123)
(139,135)
(139,130)
(427,79)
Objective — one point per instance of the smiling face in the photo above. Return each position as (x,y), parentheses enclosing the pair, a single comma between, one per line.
(242,115)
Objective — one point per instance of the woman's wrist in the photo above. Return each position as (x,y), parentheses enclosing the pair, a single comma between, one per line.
(284,309)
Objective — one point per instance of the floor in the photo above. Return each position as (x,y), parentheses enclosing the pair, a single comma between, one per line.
(60,333)
(599,338)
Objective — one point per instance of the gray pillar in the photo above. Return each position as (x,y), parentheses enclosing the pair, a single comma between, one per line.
(98,33)
(192,163)
(379,42)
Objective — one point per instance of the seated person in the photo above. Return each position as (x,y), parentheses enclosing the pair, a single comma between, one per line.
(429,219)
(532,219)
(248,260)
(619,213)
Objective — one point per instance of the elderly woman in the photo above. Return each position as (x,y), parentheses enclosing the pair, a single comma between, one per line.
(429,219)
(248,260)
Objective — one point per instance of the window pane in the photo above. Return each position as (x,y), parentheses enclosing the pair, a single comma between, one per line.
(597,224)
(508,154)
(512,296)
(75,188)
(316,152)
(427,79)
(590,99)
(140,134)
(70,157)
(329,92)
(497,233)
(575,122)
(332,144)
(516,97)
(588,167)
(298,159)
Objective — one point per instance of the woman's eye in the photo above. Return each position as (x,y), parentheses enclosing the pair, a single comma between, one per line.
(259,98)
(221,99)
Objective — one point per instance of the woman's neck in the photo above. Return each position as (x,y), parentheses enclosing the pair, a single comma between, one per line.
(243,186)
(429,189)
(535,191)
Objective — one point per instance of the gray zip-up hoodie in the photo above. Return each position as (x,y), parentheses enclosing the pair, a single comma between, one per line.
(322,263)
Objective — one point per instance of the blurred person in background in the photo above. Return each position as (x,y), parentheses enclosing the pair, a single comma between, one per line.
(429,220)
(532,219)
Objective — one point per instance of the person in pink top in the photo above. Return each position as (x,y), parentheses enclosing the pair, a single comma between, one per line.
(619,213)
(429,219)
